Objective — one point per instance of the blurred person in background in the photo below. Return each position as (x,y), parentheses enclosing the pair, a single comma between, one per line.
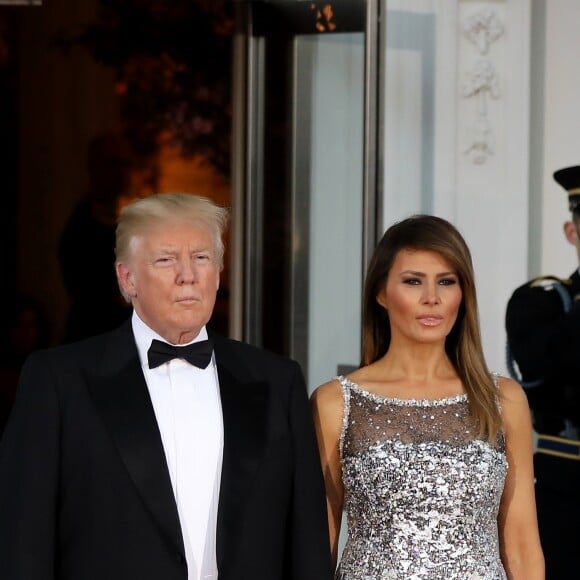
(116,176)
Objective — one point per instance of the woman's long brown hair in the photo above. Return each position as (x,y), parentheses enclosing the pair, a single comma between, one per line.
(463,344)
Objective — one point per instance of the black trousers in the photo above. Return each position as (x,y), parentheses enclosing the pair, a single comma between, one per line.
(558,505)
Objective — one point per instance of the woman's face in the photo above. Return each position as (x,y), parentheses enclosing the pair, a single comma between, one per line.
(422,296)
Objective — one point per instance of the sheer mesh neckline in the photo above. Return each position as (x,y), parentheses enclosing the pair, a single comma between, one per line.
(422,489)
(459,398)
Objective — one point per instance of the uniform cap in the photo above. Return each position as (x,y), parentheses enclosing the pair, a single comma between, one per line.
(569,179)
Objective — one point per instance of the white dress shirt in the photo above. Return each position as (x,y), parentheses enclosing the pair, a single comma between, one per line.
(186,401)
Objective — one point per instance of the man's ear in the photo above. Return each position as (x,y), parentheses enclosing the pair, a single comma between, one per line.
(126,280)
(571,232)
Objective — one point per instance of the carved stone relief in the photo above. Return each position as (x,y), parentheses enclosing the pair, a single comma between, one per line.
(481,83)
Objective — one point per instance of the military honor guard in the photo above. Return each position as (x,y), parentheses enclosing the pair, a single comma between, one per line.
(543,332)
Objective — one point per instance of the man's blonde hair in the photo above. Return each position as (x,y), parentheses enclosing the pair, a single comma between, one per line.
(137,217)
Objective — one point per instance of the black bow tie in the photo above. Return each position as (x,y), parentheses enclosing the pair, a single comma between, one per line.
(198,353)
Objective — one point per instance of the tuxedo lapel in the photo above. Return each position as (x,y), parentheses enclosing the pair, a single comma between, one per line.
(244,407)
(120,393)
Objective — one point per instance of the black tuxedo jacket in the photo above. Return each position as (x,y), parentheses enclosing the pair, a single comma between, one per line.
(85,492)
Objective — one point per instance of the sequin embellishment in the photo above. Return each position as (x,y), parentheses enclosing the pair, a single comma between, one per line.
(421,491)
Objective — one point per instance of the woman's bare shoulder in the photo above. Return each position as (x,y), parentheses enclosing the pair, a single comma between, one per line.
(511,392)
(515,408)
(329,393)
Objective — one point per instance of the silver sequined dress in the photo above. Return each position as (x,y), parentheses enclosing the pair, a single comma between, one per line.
(421,490)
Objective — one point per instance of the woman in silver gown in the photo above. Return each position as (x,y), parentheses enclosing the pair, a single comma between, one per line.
(428,452)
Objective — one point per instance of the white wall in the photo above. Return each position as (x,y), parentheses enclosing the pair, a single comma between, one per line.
(559,129)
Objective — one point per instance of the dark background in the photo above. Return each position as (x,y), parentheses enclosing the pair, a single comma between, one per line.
(70,70)
(54,100)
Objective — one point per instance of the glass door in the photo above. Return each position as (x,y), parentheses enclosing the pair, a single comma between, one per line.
(306,174)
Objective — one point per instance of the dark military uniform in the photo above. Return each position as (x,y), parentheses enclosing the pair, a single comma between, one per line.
(543,331)
(545,343)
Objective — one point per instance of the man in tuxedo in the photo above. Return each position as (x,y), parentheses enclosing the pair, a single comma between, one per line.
(159,451)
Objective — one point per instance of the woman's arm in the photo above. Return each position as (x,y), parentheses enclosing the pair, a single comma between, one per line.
(521,551)
(327,408)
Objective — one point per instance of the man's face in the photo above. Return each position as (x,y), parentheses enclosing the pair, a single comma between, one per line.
(172,277)
(572,232)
